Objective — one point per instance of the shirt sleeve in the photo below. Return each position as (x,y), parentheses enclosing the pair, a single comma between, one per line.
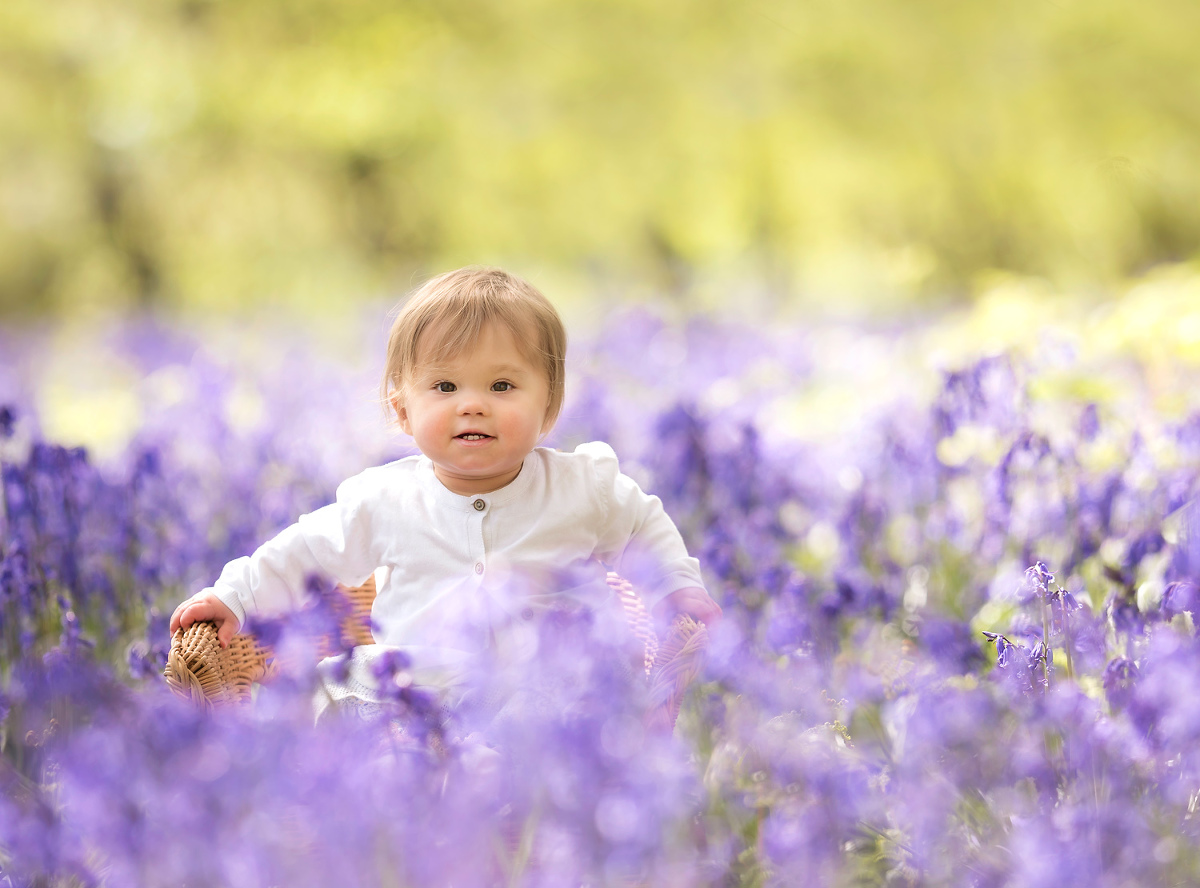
(335,540)
(638,539)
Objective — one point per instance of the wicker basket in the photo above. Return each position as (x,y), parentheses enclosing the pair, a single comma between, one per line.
(198,669)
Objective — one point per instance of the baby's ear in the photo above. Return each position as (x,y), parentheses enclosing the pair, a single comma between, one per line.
(401,414)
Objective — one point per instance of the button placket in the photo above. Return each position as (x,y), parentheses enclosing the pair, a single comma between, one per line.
(475,522)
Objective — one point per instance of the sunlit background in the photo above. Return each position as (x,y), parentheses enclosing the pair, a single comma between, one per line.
(998,167)
(213,155)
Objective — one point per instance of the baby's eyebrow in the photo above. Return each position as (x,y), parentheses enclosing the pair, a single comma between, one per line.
(507,370)
(432,373)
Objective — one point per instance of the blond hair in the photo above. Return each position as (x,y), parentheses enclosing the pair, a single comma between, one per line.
(455,307)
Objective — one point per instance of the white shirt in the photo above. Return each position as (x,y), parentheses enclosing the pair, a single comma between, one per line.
(457,566)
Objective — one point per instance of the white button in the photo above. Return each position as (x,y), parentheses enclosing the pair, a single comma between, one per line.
(478,567)
(479,505)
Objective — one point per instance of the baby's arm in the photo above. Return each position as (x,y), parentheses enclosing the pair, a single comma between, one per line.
(644,536)
(335,540)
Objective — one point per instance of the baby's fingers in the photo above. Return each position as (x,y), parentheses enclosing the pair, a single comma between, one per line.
(707,612)
(178,616)
(702,608)
(188,613)
(694,602)
(225,632)
(195,612)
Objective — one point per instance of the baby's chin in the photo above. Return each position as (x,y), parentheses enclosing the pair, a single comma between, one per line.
(473,480)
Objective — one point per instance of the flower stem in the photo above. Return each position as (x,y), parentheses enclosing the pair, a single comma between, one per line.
(1045,638)
(1062,602)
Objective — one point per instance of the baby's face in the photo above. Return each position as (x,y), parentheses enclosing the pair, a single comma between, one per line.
(478,415)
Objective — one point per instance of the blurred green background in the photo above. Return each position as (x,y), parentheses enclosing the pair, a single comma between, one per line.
(223,154)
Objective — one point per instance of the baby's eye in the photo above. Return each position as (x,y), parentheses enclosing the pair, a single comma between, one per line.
(501,386)
(446,387)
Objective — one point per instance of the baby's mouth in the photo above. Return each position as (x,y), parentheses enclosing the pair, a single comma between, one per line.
(472,436)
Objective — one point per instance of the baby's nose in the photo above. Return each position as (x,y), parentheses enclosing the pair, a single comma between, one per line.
(471,403)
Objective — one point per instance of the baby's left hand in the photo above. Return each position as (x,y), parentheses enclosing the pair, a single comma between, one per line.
(694,602)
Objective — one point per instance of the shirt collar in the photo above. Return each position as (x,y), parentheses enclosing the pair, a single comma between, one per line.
(514,490)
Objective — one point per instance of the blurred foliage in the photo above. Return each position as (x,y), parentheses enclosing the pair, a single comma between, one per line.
(210,153)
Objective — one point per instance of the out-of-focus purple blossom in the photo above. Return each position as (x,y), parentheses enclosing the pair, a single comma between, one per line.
(845,728)
(1089,422)
(951,644)
(1185,563)
(1125,615)
(1180,597)
(1118,679)
(987,391)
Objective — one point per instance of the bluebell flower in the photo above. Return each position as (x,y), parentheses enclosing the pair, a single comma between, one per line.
(831,731)
(1119,677)
(1180,597)
(1089,421)
(1125,615)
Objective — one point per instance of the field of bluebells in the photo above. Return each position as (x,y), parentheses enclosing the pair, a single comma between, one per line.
(958,646)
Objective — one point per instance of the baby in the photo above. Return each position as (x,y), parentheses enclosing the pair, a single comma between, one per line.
(483,520)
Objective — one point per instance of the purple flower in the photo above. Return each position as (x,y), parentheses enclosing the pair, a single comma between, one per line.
(1119,677)
(1179,597)
(845,727)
